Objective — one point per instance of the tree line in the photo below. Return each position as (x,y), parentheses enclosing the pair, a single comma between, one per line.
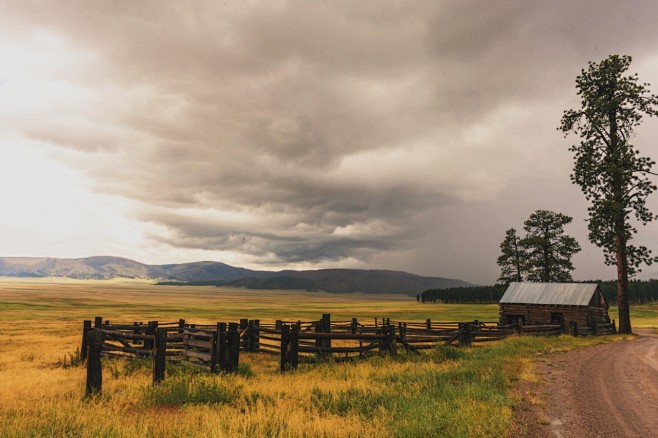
(463,295)
(640,292)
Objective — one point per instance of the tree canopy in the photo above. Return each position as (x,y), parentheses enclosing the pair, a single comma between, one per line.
(548,249)
(544,254)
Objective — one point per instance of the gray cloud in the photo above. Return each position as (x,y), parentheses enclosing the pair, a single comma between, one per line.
(315,132)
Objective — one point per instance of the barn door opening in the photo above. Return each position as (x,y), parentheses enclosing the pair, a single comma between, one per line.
(514,319)
(557,318)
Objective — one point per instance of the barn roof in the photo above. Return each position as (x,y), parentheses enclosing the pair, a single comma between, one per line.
(564,294)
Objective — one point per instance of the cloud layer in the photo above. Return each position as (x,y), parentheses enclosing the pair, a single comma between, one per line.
(324,132)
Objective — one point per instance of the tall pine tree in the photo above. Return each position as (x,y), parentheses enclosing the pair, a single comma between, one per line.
(609,170)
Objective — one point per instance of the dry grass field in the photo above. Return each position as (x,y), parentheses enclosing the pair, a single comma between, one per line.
(447,392)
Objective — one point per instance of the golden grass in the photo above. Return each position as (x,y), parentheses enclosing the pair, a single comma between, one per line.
(445,393)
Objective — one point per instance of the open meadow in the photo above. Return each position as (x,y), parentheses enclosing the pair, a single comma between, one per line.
(448,391)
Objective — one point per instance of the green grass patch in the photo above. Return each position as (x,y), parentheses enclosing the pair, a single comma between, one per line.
(467,392)
(194,389)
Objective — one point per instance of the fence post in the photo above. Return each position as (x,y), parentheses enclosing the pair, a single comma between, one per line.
(159,358)
(466,338)
(214,357)
(277,324)
(136,331)
(294,346)
(94,370)
(86,327)
(244,324)
(318,329)
(285,341)
(248,336)
(233,336)
(354,325)
(428,324)
(181,325)
(326,328)
(390,331)
(98,322)
(256,340)
(150,330)
(222,346)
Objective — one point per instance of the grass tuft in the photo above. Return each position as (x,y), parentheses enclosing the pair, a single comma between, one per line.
(197,389)
(70,360)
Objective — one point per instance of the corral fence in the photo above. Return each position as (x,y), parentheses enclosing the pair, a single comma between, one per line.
(217,347)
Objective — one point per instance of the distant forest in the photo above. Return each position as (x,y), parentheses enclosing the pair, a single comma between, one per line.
(641,292)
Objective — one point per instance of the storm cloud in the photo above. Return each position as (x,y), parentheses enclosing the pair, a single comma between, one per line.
(404,135)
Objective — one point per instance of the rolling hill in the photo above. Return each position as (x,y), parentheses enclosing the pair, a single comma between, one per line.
(216,273)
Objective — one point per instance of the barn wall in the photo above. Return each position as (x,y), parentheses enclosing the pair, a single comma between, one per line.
(599,315)
(541,314)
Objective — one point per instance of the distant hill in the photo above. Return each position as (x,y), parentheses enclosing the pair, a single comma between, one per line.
(329,280)
(104,267)
(86,268)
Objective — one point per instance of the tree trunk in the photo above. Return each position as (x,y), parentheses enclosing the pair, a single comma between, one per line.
(620,233)
(622,285)
(547,261)
(517,256)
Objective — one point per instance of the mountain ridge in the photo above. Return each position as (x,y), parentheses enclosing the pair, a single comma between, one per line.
(209,272)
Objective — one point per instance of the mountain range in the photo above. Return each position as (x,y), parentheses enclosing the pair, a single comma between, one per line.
(220,274)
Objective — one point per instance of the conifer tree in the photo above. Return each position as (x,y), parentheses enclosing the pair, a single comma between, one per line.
(609,170)
(511,259)
(548,250)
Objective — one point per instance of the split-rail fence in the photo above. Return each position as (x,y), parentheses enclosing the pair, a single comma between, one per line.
(216,347)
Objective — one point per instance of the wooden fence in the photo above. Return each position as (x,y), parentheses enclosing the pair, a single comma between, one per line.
(216,347)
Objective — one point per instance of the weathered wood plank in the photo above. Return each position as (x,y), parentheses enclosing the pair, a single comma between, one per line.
(347,336)
(199,355)
(199,343)
(126,335)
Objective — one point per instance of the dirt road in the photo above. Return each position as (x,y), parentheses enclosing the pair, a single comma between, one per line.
(608,390)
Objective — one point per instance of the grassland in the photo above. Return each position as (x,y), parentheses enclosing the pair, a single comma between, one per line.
(448,392)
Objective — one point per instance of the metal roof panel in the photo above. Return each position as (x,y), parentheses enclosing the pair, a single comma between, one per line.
(565,294)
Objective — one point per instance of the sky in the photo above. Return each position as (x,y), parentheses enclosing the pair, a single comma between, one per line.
(302,134)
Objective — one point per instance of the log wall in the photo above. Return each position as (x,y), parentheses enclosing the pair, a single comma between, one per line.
(541,314)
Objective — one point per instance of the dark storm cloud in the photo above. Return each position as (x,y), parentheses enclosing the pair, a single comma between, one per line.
(331,129)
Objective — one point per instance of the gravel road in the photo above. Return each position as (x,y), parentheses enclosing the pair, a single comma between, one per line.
(609,390)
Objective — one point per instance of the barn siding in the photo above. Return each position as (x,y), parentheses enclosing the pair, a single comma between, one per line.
(541,313)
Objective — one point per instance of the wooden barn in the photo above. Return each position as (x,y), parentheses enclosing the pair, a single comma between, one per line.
(556,303)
